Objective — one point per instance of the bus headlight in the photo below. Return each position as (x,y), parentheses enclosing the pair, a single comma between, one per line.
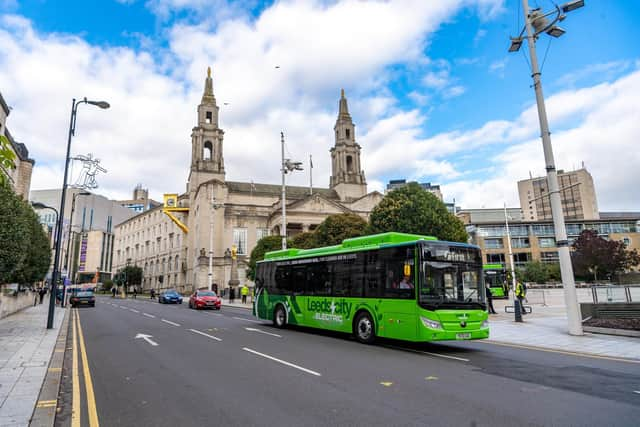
(485,325)
(430,323)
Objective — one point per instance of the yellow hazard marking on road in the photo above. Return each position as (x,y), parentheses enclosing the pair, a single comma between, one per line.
(75,402)
(386,383)
(430,378)
(46,403)
(91,399)
(55,369)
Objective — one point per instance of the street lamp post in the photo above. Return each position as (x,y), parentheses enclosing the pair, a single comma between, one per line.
(287,166)
(536,23)
(72,129)
(68,259)
(53,287)
(214,206)
(517,309)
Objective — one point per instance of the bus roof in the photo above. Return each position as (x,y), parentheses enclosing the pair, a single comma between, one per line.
(493,267)
(350,245)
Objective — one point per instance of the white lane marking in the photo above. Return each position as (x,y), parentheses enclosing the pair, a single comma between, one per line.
(149,315)
(123,307)
(462,359)
(248,320)
(309,371)
(206,335)
(215,314)
(636,391)
(147,338)
(170,322)
(263,332)
(134,310)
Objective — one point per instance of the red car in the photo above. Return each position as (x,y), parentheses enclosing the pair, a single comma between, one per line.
(205,299)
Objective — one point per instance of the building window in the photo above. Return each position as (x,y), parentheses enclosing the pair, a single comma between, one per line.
(261,232)
(546,242)
(520,259)
(349,164)
(208,151)
(493,244)
(520,242)
(549,257)
(626,241)
(208,117)
(543,230)
(240,240)
(347,133)
(495,259)
(176,265)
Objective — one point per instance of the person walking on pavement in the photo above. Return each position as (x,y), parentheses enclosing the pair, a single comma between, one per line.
(232,294)
(152,293)
(135,292)
(42,292)
(244,292)
(521,293)
(113,291)
(490,308)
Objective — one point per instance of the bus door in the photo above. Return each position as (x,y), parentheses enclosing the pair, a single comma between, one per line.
(398,302)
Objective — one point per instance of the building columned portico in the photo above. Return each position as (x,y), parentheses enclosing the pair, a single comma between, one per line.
(244,211)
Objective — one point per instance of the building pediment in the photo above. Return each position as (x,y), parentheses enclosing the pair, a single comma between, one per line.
(366,202)
(317,203)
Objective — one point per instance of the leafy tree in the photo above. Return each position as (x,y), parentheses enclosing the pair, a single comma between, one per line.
(305,240)
(264,245)
(540,272)
(131,274)
(412,209)
(14,233)
(335,228)
(38,252)
(7,157)
(598,257)
(107,285)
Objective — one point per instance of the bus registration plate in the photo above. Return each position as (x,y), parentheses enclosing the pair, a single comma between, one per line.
(463,336)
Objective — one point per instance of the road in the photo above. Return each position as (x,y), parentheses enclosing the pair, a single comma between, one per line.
(195,368)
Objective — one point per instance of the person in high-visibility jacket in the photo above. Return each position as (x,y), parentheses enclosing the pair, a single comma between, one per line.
(244,291)
(521,293)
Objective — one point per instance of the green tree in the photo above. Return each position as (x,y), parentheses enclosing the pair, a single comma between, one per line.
(38,251)
(596,257)
(7,157)
(14,233)
(535,271)
(412,209)
(306,240)
(264,245)
(131,274)
(335,228)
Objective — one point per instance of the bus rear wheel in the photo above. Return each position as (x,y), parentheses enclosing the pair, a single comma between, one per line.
(363,328)
(279,317)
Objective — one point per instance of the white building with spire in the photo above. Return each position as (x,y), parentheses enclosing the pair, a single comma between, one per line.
(244,211)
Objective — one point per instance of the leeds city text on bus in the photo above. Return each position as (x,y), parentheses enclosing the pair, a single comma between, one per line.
(391,285)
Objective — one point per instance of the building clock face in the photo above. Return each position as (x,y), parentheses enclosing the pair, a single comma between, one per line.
(171,202)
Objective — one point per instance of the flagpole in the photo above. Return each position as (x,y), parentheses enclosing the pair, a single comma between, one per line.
(310,175)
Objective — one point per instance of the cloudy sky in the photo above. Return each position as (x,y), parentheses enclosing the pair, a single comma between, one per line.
(433,91)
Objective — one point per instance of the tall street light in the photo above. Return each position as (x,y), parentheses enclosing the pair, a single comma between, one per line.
(214,206)
(536,22)
(38,205)
(287,166)
(72,130)
(68,259)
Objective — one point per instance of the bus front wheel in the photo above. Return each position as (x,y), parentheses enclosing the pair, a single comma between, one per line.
(279,317)
(363,328)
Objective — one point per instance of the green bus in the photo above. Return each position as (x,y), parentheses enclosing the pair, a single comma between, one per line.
(495,275)
(392,285)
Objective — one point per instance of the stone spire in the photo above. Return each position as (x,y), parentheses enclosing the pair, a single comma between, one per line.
(207,96)
(343,109)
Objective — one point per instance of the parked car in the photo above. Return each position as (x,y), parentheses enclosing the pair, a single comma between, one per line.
(170,297)
(205,299)
(82,297)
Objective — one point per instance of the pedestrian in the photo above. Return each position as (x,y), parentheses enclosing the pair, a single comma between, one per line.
(232,294)
(113,291)
(244,292)
(521,293)
(42,293)
(135,292)
(152,293)
(490,308)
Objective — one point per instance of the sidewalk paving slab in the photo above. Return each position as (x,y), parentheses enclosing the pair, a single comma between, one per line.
(26,347)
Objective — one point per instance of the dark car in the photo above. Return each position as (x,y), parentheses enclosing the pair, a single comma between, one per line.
(170,297)
(82,297)
(205,299)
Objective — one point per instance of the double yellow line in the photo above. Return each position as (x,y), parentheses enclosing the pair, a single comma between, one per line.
(76,408)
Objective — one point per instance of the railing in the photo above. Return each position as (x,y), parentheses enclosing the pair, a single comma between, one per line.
(620,293)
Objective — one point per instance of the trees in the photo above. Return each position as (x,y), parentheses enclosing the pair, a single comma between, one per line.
(335,228)
(597,257)
(25,254)
(412,209)
(539,272)
(7,157)
(264,245)
(306,240)
(130,275)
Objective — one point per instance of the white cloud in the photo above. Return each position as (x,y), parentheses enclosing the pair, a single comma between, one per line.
(497,67)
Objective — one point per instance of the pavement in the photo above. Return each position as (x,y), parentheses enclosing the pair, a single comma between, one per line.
(26,349)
